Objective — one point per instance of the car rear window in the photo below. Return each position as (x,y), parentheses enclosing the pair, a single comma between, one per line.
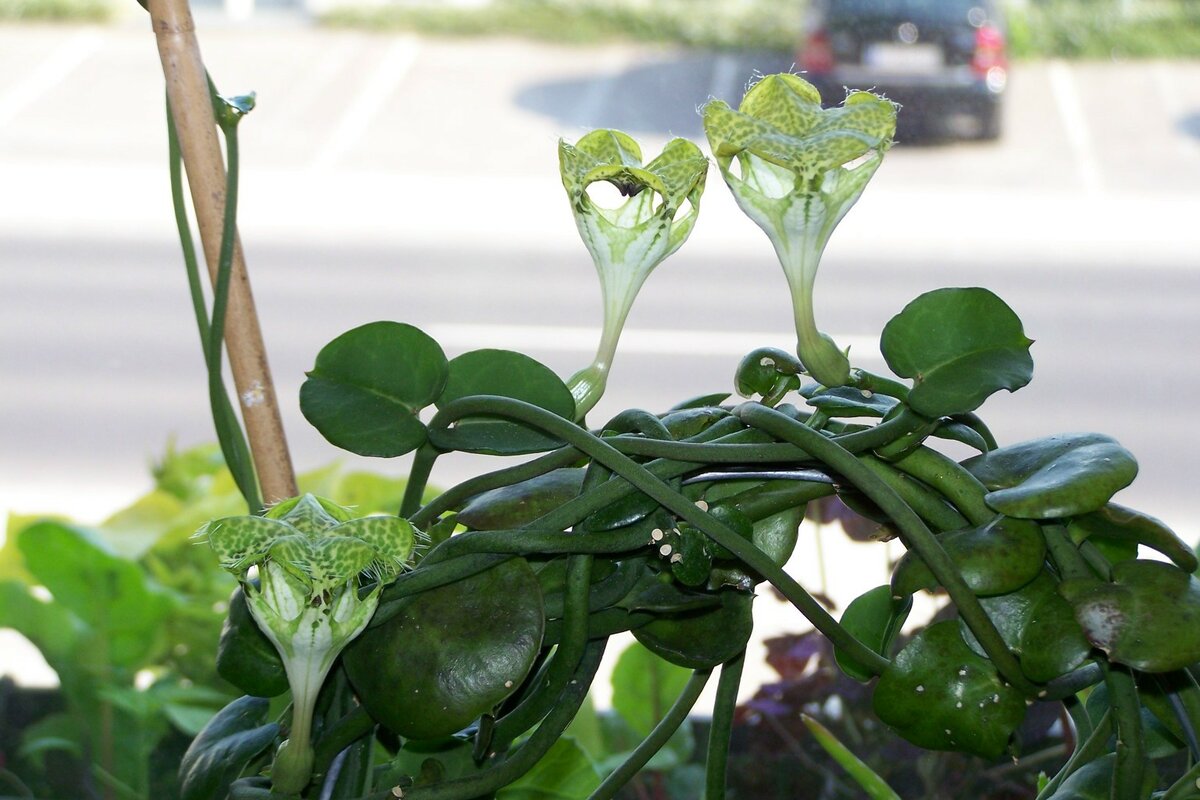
(927,9)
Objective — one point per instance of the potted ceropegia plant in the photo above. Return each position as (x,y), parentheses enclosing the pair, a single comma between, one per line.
(443,651)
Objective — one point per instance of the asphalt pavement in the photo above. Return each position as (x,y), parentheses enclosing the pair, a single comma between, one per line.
(396,177)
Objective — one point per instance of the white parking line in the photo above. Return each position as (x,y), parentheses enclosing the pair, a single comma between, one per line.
(580,339)
(367,103)
(50,72)
(1062,85)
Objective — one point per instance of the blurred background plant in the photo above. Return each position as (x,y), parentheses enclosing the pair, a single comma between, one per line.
(1091,29)
(128,614)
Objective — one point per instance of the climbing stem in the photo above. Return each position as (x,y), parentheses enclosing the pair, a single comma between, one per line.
(912,529)
(716,764)
(947,476)
(1130,769)
(674,502)
(656,739)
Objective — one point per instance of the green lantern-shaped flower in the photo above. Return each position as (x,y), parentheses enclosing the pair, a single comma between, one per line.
(800,168)
(310,556)
(627,242)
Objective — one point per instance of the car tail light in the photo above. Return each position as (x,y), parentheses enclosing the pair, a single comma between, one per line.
(989,50)
(990,61)
(817,54)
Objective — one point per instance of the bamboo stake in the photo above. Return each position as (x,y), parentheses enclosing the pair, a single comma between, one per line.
(191,107)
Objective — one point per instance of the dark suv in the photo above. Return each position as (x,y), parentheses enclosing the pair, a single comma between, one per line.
(940,59)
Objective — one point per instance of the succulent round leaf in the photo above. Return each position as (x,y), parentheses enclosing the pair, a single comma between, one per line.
(451,653)
(1116,524)
(848,401)
(1051,642)
(367,386)
(940,695)
(521,503)
(1147,618)
(959,346)
(874,618)
(996,558)
(1058,476)
(701,639)
(507,374)
(245,656)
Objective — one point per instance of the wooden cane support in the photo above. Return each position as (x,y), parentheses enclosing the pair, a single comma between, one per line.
(191,108)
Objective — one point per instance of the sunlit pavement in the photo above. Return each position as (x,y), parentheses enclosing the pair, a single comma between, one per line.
(415,179)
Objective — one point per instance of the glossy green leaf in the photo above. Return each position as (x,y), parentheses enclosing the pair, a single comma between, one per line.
(685,423)
(506,374)
(958,432)
(245,656)
(110,594)
(450,654)
(847,401)
(1117,524)
(1093,781)
(622,512)
(644,687)
(940,695)
(1148,618)
(368,385)
(959,346)
(761,370)
(218,754)
(701,401)
(701,639)
(874,618)
(1010,611)
(996,558)
(731,517)
(777,534)
(1051,643)
(1056,476)
(520,503)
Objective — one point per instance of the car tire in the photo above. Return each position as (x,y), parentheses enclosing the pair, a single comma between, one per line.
(990,123)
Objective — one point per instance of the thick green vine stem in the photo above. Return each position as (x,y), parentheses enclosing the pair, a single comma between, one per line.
(212,333)
(1129,770)
(656,739)
(912,529)
(675,503)
(716,762)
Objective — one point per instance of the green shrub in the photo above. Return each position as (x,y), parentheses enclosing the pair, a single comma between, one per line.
(57,10)
(699,23)
(1077,29)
